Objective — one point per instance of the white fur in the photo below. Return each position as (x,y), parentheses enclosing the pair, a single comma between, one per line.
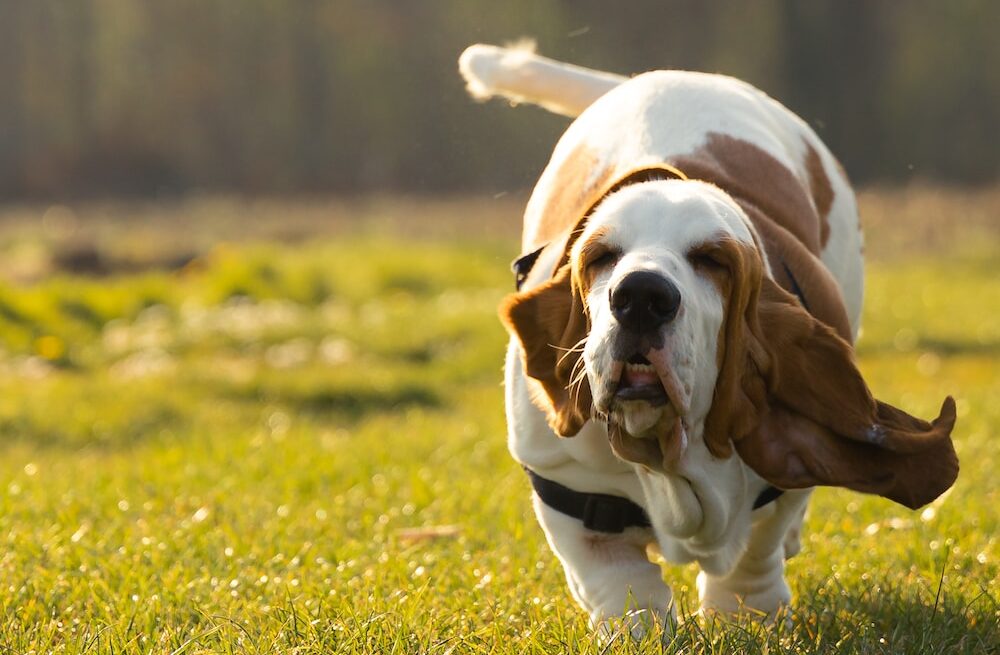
(519,75)
(702,511)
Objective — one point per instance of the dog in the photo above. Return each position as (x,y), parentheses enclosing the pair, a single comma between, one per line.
(680,369)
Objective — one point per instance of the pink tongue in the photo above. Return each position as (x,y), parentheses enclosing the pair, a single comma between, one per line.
(640,378)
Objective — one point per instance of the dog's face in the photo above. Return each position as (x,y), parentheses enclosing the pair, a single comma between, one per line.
(663,322)
(655,309)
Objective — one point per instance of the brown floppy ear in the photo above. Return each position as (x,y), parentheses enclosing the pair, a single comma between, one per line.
(791,451)
(550,323)
(740,393)
(802,414)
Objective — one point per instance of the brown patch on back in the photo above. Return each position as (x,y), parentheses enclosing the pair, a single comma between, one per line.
(822,192)
(789,218)
(583,182)
(581,185)
(751,175)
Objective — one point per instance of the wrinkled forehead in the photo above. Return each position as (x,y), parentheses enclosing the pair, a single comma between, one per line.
(674,214)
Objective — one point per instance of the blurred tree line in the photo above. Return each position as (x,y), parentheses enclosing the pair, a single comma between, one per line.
(110,97)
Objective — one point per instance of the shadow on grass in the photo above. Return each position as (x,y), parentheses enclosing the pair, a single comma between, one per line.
(352,404)
(148,423)
(139,420)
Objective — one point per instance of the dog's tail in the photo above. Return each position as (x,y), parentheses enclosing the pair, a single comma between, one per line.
(520,75)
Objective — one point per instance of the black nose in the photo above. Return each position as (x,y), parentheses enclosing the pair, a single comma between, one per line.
(644,301)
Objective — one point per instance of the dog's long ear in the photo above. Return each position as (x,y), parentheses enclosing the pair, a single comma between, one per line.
(740,396)
(550,323)
(791,398)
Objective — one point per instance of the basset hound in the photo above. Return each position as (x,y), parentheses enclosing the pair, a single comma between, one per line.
(680,369)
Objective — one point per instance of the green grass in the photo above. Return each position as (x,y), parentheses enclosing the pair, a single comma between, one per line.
(232,457)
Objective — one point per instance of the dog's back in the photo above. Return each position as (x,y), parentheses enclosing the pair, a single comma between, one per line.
(712,127)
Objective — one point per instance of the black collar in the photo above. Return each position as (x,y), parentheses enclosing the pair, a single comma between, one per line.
(604,512)
(522,267)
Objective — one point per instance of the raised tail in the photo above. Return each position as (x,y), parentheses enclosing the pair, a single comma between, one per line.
(520,75)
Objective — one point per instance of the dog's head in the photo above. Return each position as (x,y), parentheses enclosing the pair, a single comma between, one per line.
(663,321)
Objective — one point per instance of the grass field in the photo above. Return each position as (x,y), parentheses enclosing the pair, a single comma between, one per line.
(262,427)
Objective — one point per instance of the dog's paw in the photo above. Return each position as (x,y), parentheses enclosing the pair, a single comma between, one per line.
(762,597)
(636,625)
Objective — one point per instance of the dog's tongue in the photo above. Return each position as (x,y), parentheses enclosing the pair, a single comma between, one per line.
(634,378)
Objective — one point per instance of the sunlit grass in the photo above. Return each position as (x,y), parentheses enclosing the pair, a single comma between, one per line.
(232,457)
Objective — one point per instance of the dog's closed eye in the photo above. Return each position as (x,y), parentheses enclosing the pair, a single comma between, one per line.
(602,260)
(595,258)
(703,259)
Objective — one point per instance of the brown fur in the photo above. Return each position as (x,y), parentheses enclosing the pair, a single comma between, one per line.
(793,265)
(570,201)
(551,324)
(789,395)
(792,400)
(752,176)
(822,192)
(791,222)
(591,250)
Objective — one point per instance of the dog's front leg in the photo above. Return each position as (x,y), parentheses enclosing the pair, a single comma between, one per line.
(609,575)
(757,582)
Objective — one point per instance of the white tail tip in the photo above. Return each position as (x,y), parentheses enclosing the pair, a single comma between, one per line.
(482,64)
(518,74)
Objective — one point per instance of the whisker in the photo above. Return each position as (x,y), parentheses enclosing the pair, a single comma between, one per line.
(578,347)
(578,375)
(574,393)
(578,364)
(576,379)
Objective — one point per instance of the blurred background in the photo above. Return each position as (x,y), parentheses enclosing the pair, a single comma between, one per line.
(104,98)
(250,258)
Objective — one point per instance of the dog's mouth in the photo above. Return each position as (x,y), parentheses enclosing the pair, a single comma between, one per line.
(646,425)
(640,381)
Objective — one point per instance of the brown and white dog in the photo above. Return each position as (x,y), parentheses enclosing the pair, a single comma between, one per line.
(695,286)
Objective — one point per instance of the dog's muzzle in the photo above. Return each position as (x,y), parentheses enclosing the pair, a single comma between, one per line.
(646,426)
